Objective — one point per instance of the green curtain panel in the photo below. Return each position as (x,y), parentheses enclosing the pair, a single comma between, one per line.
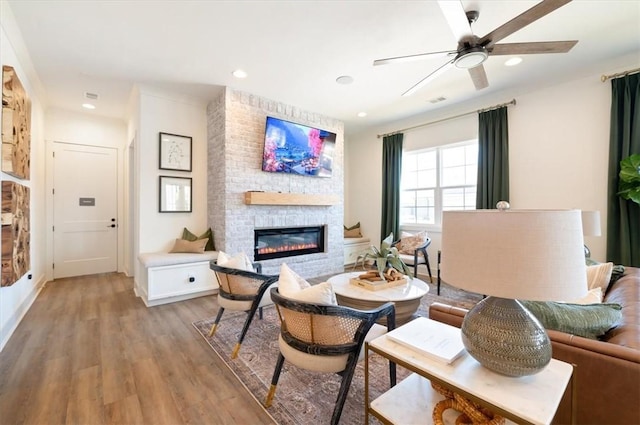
(391,172)
(623,216)
(493,158)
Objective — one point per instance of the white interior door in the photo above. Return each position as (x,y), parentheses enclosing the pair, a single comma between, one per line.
(85,234)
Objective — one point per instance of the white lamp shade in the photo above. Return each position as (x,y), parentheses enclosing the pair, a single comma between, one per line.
(591,223)
(533,255)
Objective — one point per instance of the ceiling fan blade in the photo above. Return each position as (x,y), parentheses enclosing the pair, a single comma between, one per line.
(479,77)
(410,58)
(531,15)
(435,74)
(532,48)
(456,18)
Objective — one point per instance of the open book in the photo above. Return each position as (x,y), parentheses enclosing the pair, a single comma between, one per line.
(436,340)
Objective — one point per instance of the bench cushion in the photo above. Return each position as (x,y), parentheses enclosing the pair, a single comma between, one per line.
(155,259)
(355,241)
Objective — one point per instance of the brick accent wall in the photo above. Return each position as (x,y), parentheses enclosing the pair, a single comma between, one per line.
(235,133)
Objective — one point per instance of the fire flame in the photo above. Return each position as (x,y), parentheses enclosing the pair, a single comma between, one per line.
(287,247)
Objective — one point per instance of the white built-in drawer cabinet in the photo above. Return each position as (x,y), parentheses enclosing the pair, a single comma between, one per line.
(353,247)
(166,278)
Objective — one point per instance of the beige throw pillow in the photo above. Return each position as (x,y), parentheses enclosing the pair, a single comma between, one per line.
(239,261)
(196,246)
(353,231)
(292,286)
(599,275)
(594,296)
(408,244)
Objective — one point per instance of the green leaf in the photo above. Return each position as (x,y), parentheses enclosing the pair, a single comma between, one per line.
(630,169)
(629,184)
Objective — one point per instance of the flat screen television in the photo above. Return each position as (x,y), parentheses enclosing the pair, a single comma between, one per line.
(297,149)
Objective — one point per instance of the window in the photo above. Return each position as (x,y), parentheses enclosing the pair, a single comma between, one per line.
(436,180)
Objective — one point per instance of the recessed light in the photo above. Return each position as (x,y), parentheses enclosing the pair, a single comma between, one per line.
(239,73)
(513,61)
(362,114)
(344,79)
(88,106)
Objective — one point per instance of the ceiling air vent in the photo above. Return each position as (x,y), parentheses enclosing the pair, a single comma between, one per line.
(91,96)
(437,99)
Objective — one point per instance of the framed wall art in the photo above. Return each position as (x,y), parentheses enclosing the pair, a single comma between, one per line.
(175,152)
(16,126)
(175,194)
(16,251)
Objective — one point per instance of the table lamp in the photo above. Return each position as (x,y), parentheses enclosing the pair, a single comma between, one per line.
(590,227)
(509,255)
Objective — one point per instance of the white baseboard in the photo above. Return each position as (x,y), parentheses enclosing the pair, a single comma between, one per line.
(12,324)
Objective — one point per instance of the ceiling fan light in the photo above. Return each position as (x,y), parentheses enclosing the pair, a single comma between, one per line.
(471,58)
(513,61)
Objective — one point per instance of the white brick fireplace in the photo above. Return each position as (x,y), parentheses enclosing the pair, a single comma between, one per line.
(235,133)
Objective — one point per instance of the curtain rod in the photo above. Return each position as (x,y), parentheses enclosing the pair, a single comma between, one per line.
(511,102)
(619,74)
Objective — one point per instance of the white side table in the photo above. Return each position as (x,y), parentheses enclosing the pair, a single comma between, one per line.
(525,400)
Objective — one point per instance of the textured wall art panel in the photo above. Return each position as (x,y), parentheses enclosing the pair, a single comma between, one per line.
(16,125)
(16,259)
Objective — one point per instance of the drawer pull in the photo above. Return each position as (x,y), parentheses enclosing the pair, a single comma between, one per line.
(192,279)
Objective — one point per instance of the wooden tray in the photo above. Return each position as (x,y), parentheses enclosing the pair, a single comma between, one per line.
(377,285)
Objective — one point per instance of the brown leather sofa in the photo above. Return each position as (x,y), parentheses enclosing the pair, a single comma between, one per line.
(607,371)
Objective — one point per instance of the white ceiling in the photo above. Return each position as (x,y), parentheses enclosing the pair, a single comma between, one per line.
(293,51)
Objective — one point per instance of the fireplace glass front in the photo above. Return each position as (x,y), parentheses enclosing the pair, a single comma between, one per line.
(287,242)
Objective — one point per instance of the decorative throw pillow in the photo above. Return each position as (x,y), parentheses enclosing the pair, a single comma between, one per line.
(291,285)
(616,273)
(187,235)
(589,321)
(239,261)
(594,296)
(598,276)
(182,245)
(353,231)
(408,244)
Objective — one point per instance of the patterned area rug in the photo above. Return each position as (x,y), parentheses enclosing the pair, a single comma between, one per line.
(304,397)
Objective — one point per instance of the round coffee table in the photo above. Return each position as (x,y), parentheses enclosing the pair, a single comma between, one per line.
(406,297)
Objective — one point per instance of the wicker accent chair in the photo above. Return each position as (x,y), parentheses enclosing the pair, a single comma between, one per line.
(242,290)
(326,338)
(420,256)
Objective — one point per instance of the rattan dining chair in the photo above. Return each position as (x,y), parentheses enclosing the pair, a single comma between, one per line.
(326,338)
(242,290)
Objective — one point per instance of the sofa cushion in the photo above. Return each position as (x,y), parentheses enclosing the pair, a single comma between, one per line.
(589,321)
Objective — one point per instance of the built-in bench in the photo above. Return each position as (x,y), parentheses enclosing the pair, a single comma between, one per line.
(170,277)
(354,247)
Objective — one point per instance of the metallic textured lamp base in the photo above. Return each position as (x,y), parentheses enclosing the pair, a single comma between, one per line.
(506,338)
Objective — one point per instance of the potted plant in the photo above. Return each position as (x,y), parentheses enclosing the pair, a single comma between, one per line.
(629,186)
(386,258)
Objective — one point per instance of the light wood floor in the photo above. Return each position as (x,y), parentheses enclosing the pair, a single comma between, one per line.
(89,352)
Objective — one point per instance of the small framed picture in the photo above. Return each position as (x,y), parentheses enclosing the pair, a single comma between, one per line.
(175,152)
(175,194)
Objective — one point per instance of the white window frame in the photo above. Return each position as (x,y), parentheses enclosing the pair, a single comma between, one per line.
(437,225)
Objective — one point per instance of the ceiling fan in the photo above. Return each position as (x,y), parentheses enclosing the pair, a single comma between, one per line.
(472,51)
